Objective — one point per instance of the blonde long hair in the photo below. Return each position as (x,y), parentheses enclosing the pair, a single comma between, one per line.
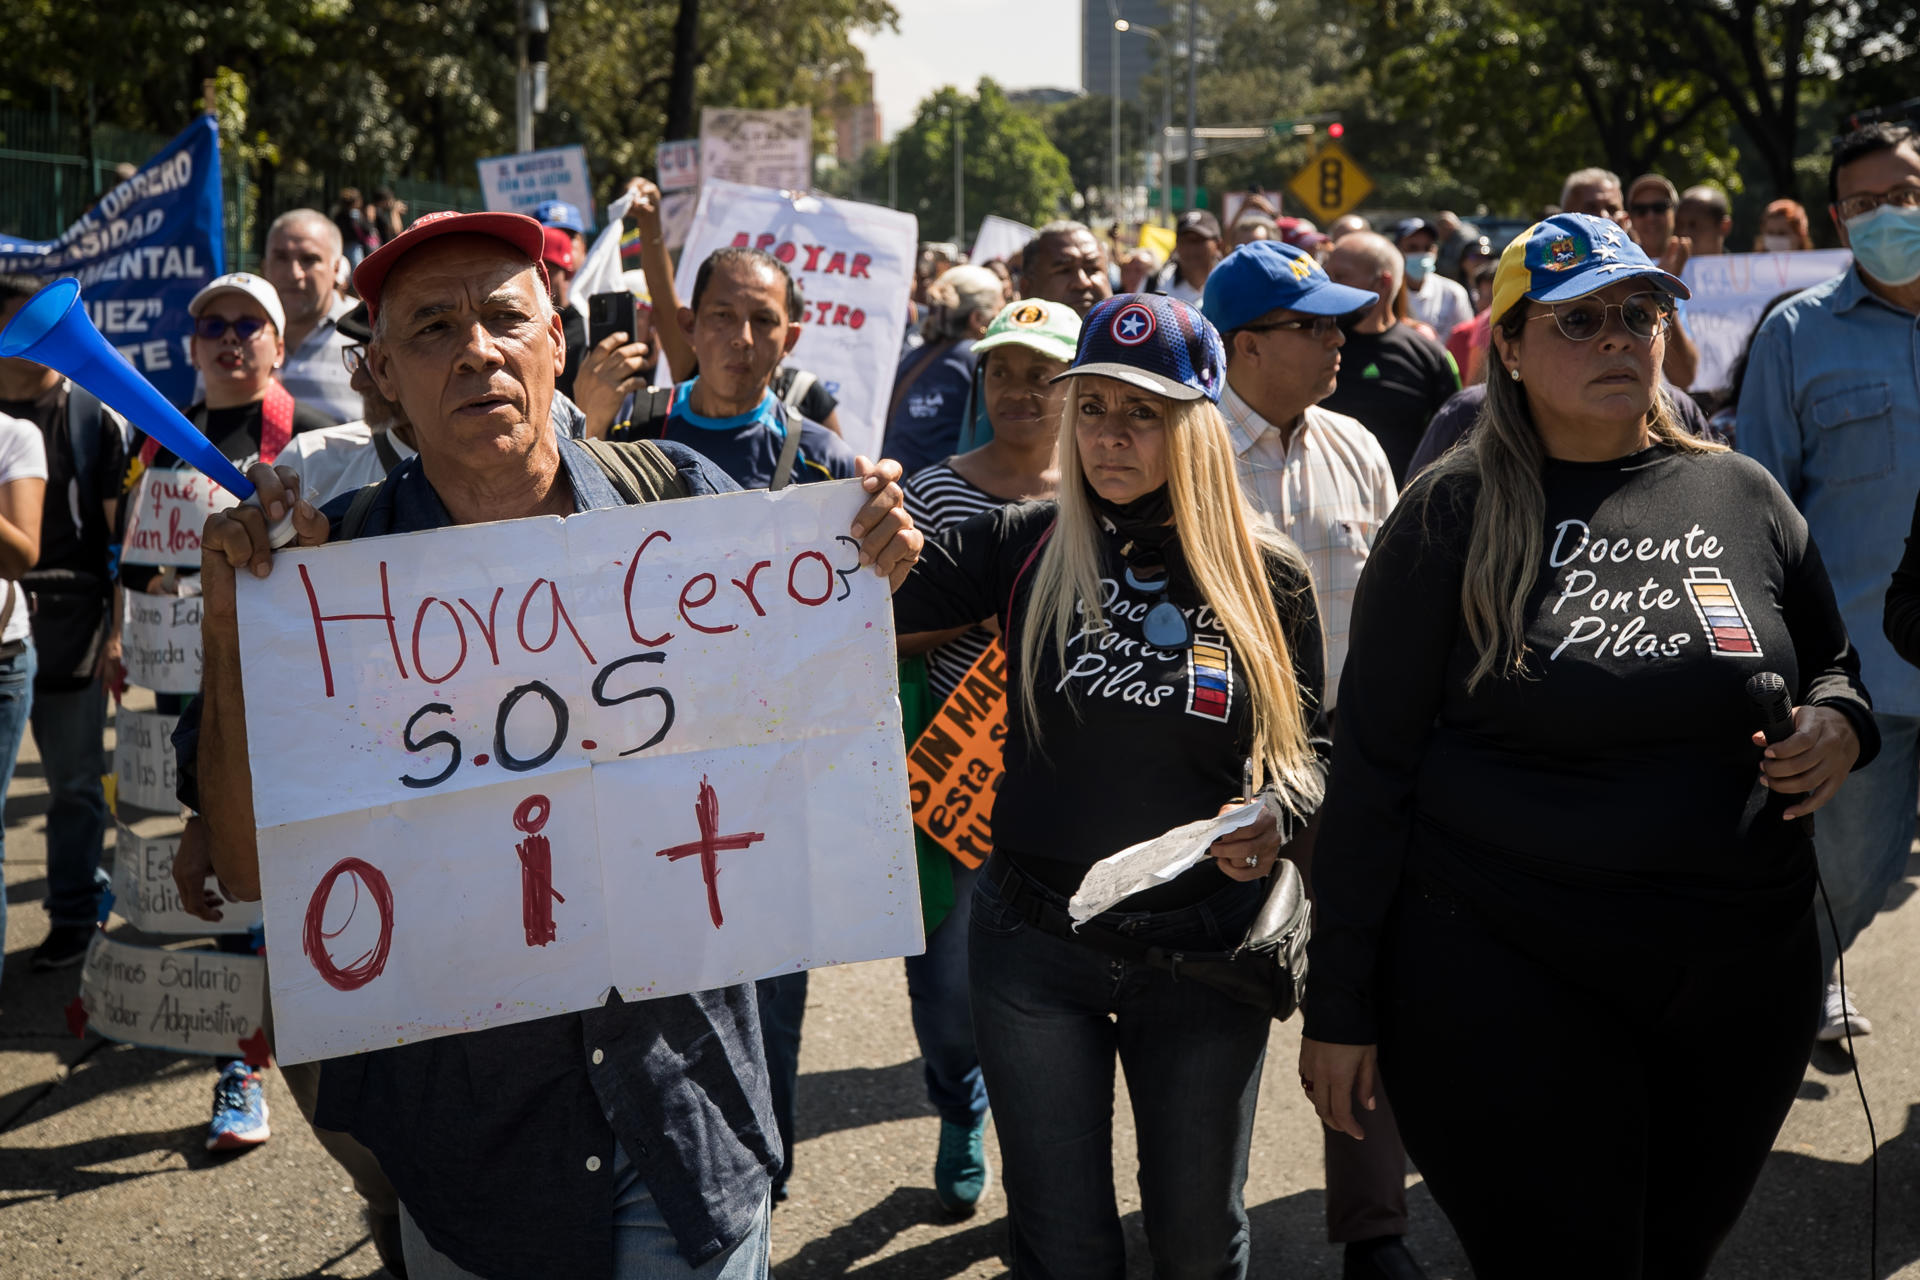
(1223,543)
(1504,455)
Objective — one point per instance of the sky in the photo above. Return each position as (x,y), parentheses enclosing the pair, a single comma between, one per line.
(1022,44)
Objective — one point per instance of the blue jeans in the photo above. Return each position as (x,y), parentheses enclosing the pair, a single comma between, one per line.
(643,1245)
(1050,1017)
(69,728)
(16,701)
(1863,835)
(783,1005)
(942,1014)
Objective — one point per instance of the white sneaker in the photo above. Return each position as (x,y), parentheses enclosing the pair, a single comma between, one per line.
(1840,1014)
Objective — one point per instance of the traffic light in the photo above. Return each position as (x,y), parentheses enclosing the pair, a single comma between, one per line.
(1336,130)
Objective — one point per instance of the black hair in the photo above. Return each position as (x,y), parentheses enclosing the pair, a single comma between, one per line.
(14,288)
(1883,135)
(737,255)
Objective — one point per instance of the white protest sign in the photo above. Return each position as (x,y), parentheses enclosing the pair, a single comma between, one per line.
(999,238)
(757,148)
(145,897)
(160,641)
(602,272)
(678,164)
(165,513)
(189,1001)
(854,263)
(505,767)
(143,762)
(676,217)
(522,183)
(1729,292)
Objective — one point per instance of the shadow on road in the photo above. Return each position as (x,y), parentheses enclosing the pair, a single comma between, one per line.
(849,1245)
(831,1101)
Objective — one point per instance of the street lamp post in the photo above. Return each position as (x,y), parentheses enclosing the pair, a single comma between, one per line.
(1166,114)
(1113,108)
(1193,194)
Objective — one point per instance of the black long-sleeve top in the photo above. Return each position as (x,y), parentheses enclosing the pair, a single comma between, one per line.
(1901,619)
(1139,740)
(1612,794)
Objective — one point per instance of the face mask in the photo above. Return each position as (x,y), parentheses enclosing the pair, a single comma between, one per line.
(1777,244)
(1418,264)
(1886,244)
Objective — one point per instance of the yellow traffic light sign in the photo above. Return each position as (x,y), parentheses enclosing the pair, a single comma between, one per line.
(1331,184)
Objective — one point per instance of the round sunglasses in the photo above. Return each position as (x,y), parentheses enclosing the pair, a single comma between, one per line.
(1584,319)
(214,328)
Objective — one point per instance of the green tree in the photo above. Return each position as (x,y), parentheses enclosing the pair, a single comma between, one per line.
(1081,129)
(1008,164)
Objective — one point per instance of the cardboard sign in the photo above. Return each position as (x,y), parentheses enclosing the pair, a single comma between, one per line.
(854,263)
(160,641)
(505,767)
(1730,290)
(678,164)
(999,238)
(954,767)
(189,1001)
(166,511)
(522,183)
(757,148)
(145,897)
(143,764)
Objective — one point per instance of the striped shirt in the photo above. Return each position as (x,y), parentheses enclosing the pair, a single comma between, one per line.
(1329,489)
(938,498)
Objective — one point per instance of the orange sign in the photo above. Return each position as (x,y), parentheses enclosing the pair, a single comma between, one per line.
(954,767)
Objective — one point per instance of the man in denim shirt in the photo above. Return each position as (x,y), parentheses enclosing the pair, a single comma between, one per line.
(629,1141)
(1831,406)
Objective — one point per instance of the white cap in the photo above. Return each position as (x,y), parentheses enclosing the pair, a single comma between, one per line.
(251,285)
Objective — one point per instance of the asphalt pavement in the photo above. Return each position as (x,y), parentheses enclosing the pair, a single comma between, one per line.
(103,1173)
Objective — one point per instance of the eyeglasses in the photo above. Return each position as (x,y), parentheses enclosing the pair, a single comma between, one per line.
(1650,208)
(1318,327)
(1900,198)
(1165,626)
(1582,320)
(213,328)
(353,355)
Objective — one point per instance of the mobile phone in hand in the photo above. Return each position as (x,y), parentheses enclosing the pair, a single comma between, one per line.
(609,313)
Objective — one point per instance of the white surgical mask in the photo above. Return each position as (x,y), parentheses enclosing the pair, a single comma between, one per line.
(1777,244)
(1886,244)
(1419,264)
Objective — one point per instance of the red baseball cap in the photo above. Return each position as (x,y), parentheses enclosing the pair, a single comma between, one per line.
(558,249)
(515,229)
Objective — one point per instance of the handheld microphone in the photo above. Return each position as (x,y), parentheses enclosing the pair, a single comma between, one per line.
(1769,695)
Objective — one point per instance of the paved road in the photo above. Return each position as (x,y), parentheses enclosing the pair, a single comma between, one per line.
(102,1173)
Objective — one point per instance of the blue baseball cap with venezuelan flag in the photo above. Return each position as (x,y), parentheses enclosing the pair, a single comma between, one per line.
(1153,342)
(1568,256)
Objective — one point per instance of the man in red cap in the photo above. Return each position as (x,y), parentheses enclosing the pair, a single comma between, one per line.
(557,255)
(634,1139)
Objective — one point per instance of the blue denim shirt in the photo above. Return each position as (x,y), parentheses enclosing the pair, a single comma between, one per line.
(1831,406)
(500,1142)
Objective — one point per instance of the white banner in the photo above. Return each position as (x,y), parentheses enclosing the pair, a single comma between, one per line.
(165,513)
(999,238)
(522,183)
(1730,290)
(757,148)
(160,641)
(143,764)
(145,897)
(854,263)
(188,1001)
(504,767)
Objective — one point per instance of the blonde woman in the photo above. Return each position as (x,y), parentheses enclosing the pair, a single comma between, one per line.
(1162,648)
(1560,869)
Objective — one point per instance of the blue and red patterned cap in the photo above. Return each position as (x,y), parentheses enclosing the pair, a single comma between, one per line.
(1153,342)
(1568,256)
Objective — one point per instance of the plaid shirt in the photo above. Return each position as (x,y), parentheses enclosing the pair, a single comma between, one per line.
(1329,489)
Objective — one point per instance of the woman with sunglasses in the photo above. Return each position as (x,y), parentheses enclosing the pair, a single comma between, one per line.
(1560,869)
(1164,658)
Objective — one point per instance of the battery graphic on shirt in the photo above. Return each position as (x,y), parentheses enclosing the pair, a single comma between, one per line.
(1209,679)
(1721,613)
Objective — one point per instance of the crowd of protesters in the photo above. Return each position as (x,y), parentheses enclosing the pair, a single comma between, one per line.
(1417,538)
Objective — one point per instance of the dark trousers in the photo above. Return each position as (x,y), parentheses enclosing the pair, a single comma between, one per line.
(1050,1019)
(1593,1112)
(69,729)
(783,1005)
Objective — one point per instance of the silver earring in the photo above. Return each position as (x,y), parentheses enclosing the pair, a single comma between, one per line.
(1515,374)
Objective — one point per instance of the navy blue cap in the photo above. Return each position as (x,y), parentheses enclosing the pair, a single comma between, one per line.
(1267,275)
(1153,342)
(558,213)
(1408,226)
(1568,256)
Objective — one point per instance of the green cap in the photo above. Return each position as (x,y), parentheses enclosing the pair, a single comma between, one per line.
(1050,328)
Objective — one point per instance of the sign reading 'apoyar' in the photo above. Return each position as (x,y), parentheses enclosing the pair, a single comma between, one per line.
(508,766)
(160,641)
(189,1001)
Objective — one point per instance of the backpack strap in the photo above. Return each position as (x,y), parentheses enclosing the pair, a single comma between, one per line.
(642,410)
(383,448)
(789,448)
(797,389)
(355,518)
(85,417)
(638,469)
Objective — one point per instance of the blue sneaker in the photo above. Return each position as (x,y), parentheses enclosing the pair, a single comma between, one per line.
(960,1171)
(239,1110)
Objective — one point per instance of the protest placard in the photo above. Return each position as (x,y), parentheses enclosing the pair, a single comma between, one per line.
(678,164)
(1729,292)
(999,238)
(757,148)
(144,894)
(160,641)
(143,763)
(854,263)
(522,183)
(505,767)
(954,766)
(187,1000)
(165,512)
(141,254)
